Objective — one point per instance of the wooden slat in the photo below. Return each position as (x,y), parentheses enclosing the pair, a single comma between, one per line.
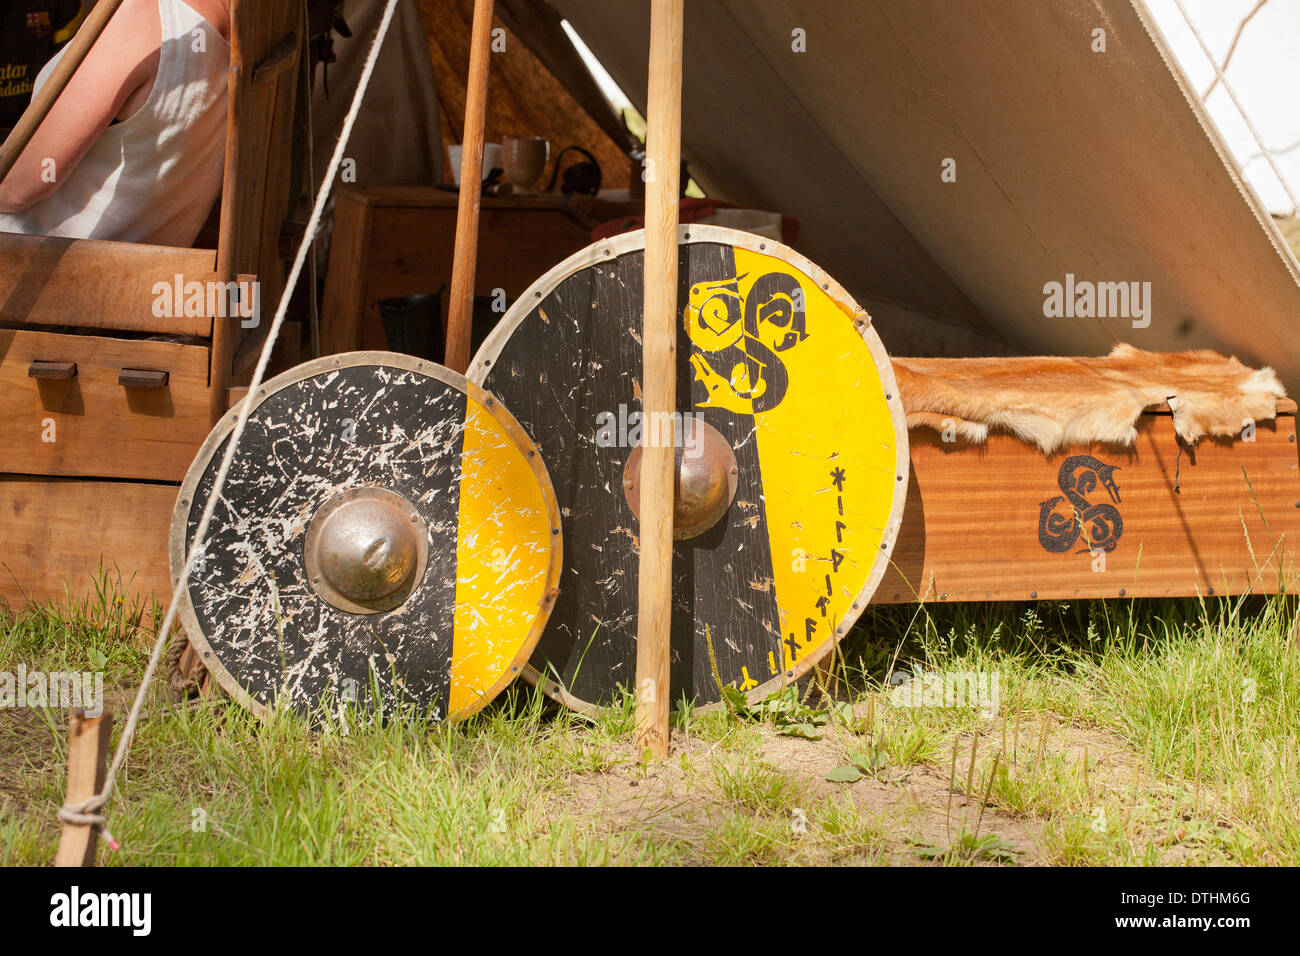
(255,188)
(96,284)
(56,533)
(971,525)
(345,280)
(98,426)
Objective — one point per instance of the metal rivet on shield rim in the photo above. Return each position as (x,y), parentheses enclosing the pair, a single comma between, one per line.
(1211,590)
(555,531)
(1034,594)
(762,245)
(888,397)
(1122,592)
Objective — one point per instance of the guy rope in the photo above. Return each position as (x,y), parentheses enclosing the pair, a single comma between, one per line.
(87,812)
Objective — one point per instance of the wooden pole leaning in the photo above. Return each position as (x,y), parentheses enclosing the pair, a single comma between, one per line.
(659,369)
(460,310)
(43,101)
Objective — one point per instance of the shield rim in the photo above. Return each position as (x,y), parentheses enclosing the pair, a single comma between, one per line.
(485,358)
(185,500)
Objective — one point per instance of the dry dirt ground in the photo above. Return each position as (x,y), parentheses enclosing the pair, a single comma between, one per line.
(912,814)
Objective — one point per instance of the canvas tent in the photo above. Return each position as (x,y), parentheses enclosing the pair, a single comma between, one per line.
(1068,160)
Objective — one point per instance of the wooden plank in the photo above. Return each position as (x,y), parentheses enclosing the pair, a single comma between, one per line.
(95,284)
(90,424)
(59,532)
(255,188)
(345,281)
(88,739)
(974,525)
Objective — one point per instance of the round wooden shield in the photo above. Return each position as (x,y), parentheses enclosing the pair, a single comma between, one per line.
(387,535)
(777,361)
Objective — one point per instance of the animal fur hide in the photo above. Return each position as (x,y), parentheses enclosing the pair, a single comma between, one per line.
(1058,402)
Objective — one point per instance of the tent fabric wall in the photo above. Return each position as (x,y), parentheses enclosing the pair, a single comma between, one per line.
(524,98)
(395,141)
(1098,164)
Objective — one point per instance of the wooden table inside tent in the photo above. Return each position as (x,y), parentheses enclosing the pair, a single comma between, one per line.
(397,240)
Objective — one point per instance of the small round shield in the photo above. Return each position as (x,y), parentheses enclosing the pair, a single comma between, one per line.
(791,449)
(387,530)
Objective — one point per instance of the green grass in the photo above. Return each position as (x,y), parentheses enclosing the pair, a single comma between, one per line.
(1125,733)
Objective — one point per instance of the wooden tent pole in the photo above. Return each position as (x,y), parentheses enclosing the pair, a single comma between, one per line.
(87,756)
(659,370)
(42,102)
(460,311)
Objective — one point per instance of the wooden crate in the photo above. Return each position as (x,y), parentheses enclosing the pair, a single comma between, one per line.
(94,419)
(59,531)
(1222,518)
(132,433)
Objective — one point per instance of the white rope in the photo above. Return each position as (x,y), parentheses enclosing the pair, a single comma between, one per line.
(84,812)
(1259,140)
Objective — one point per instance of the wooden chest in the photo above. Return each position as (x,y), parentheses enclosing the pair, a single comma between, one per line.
(100,424)
(1002,521)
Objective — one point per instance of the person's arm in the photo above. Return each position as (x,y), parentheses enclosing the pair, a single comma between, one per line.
(116,76)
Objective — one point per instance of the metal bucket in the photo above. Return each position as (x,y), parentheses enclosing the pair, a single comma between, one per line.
(413,324)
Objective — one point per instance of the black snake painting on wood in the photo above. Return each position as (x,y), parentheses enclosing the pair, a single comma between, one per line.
(1066,518)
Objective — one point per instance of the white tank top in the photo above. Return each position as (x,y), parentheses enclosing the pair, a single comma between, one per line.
(154,176)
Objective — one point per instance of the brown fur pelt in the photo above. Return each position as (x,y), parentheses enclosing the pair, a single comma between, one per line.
(1056,402)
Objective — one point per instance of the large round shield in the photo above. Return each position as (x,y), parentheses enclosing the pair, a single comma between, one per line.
(387,535)
(792,451)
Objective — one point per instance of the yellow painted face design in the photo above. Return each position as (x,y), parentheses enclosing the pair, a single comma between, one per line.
(740,328)
(771,344)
